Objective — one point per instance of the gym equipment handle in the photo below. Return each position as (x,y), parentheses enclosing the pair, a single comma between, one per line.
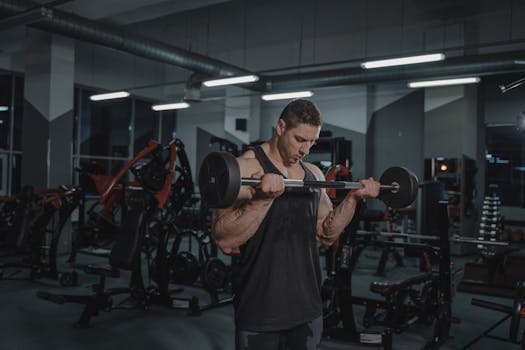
(313,183)
(492,306)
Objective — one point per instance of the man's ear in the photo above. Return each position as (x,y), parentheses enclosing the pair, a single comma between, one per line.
(281,126)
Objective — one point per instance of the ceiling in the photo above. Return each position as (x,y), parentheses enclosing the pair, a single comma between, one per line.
(310,41)
(123,12)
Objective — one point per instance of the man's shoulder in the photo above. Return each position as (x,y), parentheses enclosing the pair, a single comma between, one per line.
(248,163)
(249,154)
(315,170)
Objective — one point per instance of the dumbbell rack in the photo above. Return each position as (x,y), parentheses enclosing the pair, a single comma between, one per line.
(490,223)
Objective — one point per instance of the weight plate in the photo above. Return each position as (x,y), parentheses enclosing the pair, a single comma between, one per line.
(219,180)
(408,186)
(185,268)
(68,279)
(214,275)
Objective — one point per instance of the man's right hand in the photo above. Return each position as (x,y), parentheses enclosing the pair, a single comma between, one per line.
(271,187)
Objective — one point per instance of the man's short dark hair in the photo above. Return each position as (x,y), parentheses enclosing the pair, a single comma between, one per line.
(301,111)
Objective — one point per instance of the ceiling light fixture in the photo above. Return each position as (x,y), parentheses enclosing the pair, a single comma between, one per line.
(444,82)
(513,85)
(287,95)
(231,81)
(169,106)
(109,96)
(4,108)
(403,60)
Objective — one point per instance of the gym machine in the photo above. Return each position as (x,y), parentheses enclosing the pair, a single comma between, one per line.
(141,199)
(185,256)
(425,298)
(34,229)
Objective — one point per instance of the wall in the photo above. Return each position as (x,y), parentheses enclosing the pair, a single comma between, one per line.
(395,136)
(210,119)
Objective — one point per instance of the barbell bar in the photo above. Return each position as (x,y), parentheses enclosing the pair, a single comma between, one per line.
(220,182)
(454,238)
(345,185)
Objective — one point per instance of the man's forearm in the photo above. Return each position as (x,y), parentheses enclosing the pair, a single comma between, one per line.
(232,228)
(337,220)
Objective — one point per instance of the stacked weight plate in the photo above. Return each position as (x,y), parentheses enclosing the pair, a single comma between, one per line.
(491,221)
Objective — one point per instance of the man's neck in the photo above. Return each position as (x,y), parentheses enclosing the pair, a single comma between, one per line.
(272,151)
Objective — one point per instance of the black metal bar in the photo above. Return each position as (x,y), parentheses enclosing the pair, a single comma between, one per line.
(492,306)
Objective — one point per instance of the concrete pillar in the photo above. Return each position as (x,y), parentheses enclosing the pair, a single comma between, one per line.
(48,110)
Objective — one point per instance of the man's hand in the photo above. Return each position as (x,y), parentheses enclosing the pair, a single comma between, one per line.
(271,187)
(370,189)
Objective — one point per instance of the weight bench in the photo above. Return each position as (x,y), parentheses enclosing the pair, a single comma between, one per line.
(390,288)
(125,255)
(395,312)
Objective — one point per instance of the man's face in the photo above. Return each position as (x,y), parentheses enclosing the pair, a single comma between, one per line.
(295,143)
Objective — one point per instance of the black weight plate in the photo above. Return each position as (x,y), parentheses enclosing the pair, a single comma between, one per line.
(219,180)
(185,268)
(408,185)
(214,274)
(68,279)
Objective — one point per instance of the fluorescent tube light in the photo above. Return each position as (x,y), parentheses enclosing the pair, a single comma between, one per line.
(168,106)
(109,96)
(403,60)
(231,81)
(4,108)
(287,95)
(444,82)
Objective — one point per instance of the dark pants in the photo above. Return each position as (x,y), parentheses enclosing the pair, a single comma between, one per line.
(306,336)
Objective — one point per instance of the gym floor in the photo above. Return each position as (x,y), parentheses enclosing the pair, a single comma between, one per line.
(30,323)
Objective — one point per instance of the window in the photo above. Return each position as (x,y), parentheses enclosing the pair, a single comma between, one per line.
(5,110)
(146,125)
(18,113)
(105,127)
(111,132)
(11,114)
(505,159)
(169,123)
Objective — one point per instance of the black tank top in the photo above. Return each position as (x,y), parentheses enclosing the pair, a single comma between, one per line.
(277,278)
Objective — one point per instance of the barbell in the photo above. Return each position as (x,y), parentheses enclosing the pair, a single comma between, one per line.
(220,182)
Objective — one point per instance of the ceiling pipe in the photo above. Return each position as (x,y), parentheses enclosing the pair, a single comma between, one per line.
(95,32)
(25,18)
(80,28)
(479,65)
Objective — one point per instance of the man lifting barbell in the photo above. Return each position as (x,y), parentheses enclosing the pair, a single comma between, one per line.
(277,280)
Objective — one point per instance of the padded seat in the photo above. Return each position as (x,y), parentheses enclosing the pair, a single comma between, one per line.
(107,271)
(386,288)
